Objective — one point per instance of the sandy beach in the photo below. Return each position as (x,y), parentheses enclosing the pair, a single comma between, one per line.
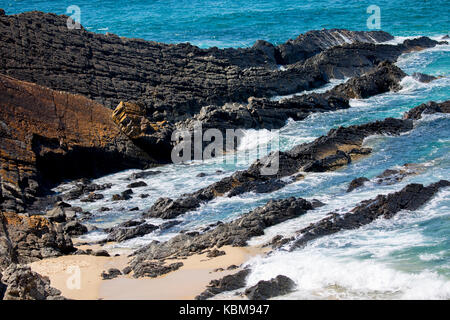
(185,283)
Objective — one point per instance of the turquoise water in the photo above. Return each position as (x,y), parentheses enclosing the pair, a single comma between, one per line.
(405,257)
(239,23)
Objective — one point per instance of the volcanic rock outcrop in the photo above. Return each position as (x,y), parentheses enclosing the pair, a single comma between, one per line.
(338,148)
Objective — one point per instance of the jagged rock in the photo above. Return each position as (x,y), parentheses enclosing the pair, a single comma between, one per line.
(56,214)
(330,152)
(215,253)
(137,184)
(26,239)
(169,224)
(111,274)
(24,284)
(59,136)
(2,288)
(237,73)
(227,283)
(74,228)
(125,195)
(356,183)
(411,197)
(265,113)
(92,197)
(128,230)
(263,290)
(101,253)
(155,269)
(235,233)
(313,42)
(389,176)
(427,108)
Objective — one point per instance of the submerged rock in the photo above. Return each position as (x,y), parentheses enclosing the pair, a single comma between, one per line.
(263,290)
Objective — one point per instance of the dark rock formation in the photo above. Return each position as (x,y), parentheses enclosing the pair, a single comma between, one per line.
(75,228)
(389,176)
(411,197)
(265,113)
(427,108)
(24,284)
(338,148)
(423,77)
(235,233)
(176,79)
(26,239)
(155,269)
(263,290)
(47,136)
(356,183)
(128,230)
(111,274)
(227,283)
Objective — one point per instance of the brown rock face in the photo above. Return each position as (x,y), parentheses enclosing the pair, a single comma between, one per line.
(47,136)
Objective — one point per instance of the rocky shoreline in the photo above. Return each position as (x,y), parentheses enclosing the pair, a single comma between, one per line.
(78,105)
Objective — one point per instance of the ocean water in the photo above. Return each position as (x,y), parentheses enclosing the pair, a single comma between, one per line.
(404,257)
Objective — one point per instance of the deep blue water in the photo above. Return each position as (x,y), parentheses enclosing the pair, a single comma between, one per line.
(405,257)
